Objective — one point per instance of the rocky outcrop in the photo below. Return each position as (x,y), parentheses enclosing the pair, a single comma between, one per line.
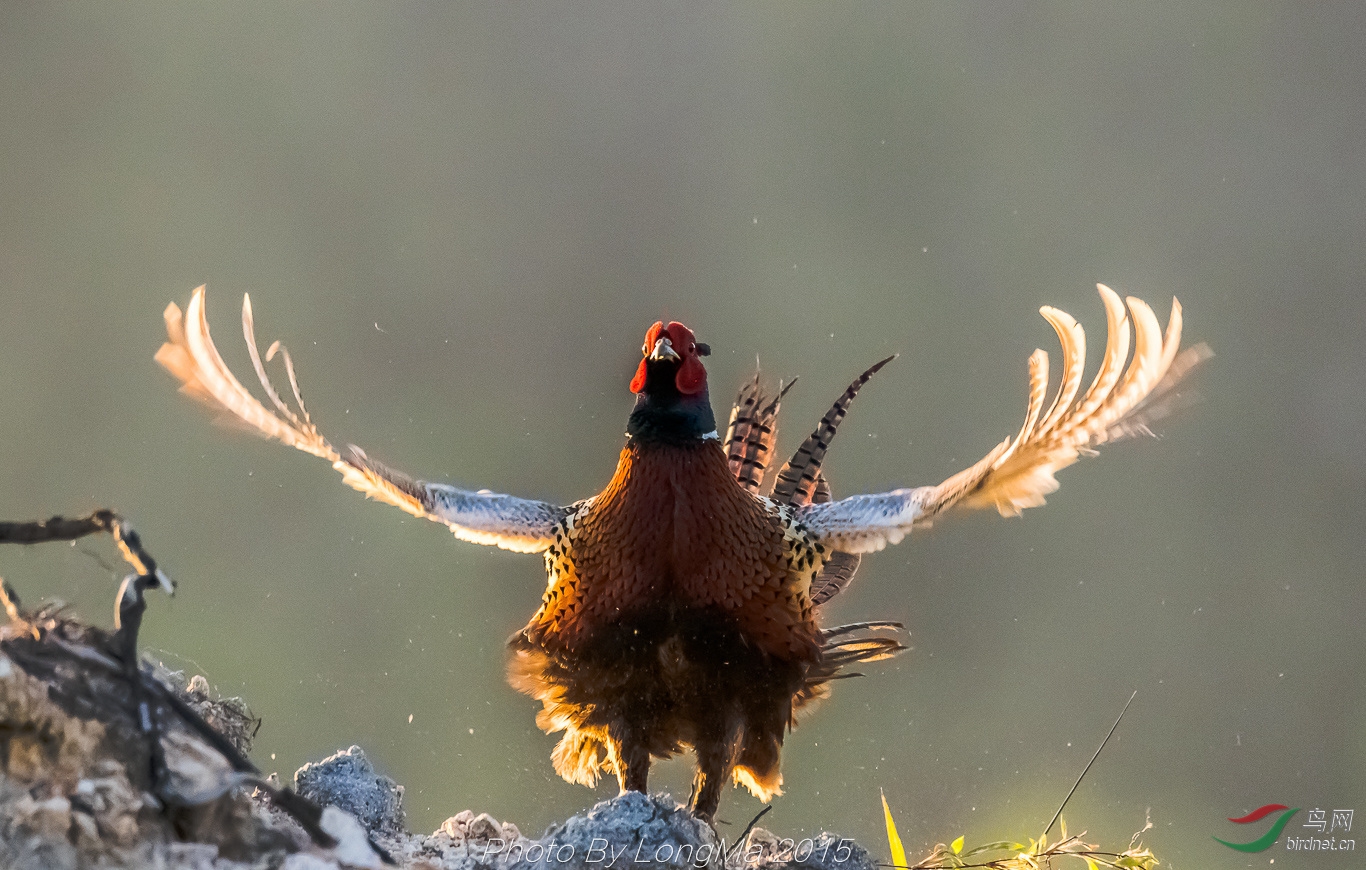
(630,832)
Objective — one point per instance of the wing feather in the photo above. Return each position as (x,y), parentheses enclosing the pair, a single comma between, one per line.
(1038,391)
(1018,473)
(1073,341)
(1116,352)
(189,354)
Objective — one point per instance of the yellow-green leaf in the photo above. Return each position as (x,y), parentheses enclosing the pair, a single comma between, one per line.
(893,838)
(957,846)
(998,846)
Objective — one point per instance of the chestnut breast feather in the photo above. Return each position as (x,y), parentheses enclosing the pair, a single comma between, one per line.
(673,529)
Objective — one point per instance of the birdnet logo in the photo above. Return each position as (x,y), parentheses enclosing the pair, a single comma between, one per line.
(1318,820)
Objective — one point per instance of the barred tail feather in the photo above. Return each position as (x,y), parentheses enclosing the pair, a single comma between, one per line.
(753,432)
(844,646)
(796,482)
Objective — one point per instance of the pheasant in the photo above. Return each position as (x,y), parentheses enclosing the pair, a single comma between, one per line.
(682,605)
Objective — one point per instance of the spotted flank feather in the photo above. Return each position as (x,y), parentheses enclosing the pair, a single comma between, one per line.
(839,568)
(753,432)
(1019,472)
(522,525)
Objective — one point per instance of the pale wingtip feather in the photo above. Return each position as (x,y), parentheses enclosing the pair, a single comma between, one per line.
(1026,474)
(1112,361)
(175,358)
(1038,389)
(1140,376)
(249,335)
(1072,338)
(191,356)
(1020,473)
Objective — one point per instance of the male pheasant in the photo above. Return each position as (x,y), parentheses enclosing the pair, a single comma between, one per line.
(681,610)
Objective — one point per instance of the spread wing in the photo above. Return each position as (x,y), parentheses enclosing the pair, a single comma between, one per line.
(519,524)
(1019,471)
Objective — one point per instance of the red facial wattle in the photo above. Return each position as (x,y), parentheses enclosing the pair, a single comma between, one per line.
(692,375)
(651,336)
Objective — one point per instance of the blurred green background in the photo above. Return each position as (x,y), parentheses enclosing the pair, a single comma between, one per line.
(462,217)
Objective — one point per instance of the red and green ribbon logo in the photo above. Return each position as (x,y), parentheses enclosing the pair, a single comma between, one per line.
(1265,841)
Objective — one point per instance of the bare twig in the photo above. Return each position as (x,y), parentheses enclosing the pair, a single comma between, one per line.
(1099,749)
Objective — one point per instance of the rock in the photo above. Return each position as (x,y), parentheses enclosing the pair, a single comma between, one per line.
(457,826)
(348,781)
(484,828)
(75,784)
(49,818)
(628,830)
(462,842)
(192,856)
(353,847)
(230,717)
(307,862)
(824,852)
(625,833)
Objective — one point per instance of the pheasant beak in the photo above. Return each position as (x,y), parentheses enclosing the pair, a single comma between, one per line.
(663,350)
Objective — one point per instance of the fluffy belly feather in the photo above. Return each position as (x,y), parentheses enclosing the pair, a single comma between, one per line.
(660,682)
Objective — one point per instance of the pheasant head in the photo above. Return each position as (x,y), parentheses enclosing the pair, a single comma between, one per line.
(670,384)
